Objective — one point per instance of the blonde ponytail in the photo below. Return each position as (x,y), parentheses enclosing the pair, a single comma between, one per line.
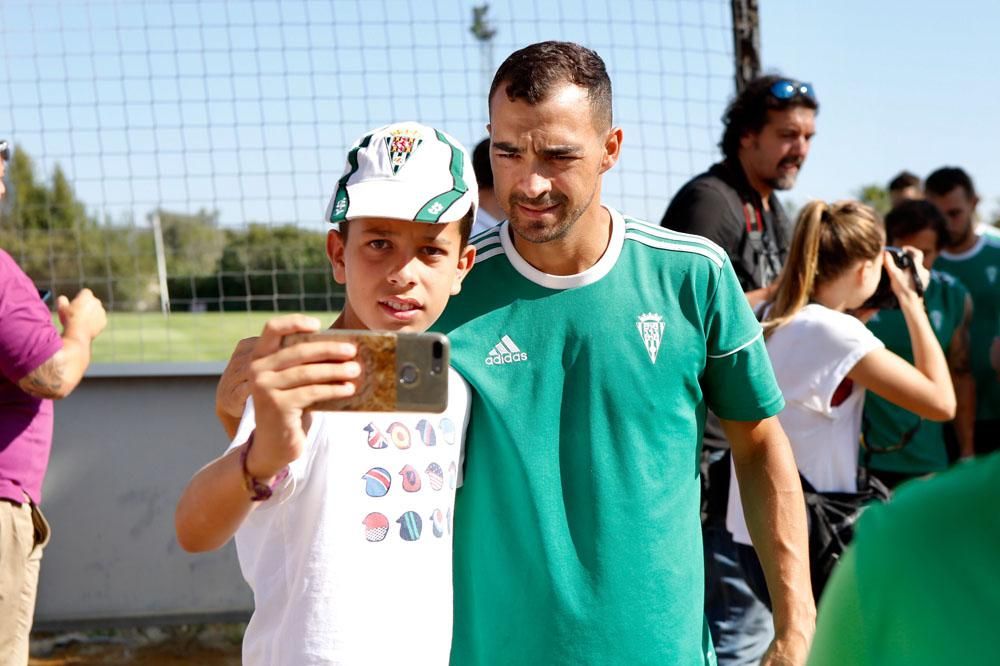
(828,239)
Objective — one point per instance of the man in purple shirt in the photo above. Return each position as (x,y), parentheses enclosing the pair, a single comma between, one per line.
(37,365)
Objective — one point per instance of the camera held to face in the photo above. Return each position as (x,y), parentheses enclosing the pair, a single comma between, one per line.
(884,298)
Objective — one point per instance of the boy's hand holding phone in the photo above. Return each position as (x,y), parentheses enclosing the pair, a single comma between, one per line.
(285,381)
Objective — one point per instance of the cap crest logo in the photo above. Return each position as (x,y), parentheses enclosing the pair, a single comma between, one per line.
(401,145)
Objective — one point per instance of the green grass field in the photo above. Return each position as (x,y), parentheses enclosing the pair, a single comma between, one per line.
(184,337)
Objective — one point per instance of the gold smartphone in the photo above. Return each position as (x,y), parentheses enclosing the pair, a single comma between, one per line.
(400,372)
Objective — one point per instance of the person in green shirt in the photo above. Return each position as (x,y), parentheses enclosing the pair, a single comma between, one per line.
(594,344)
(897,444)
(919,583)
(973,258)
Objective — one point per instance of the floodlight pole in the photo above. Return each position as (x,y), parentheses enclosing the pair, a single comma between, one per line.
(484,32)
(746,41)
(161,263)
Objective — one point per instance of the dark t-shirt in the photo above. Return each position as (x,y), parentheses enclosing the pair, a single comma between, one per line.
(721,206)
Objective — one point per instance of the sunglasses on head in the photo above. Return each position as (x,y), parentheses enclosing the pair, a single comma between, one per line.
(786,89)
(4,150)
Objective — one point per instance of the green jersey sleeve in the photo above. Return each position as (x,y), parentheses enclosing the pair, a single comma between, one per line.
(738,381)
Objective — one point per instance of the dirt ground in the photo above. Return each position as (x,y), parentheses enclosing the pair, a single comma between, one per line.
(204,645)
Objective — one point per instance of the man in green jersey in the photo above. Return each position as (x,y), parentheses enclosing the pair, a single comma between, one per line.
(918,584)
(594,343)
(973,258)
(897,444)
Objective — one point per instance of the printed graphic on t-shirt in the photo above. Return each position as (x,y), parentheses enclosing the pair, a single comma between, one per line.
(435,476)
(378,482)
(427,434)
(376,439)
(376,526)
(447,430)
(412,469)
(400,435)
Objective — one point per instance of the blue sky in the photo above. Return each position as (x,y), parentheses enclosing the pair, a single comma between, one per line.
(249,106)
(911,85)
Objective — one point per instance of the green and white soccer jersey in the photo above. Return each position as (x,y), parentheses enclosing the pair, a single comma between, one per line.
(577,534)
(919,585)
(978,270)
(885,423)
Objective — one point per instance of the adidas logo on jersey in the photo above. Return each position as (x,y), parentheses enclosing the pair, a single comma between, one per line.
(505,352)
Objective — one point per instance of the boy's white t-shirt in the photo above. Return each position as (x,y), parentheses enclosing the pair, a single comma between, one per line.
(811,356)
(350,559)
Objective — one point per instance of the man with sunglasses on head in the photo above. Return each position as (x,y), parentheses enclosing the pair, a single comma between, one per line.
(37,365)
(768,129)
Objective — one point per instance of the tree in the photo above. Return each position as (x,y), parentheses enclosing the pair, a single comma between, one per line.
(48,232)
(263,267)
(875,196)
(193,244)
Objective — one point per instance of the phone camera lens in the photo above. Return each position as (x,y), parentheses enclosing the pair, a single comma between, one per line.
(409,374)
(437,363)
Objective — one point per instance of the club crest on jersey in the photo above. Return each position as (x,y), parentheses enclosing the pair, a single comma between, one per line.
(937,318)
(401,145)
(991,274)
(651,327)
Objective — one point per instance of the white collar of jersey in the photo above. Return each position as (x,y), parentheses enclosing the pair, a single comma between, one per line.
(968,254)
(589,276)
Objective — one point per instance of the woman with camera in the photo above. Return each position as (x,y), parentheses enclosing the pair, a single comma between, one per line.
(825,358)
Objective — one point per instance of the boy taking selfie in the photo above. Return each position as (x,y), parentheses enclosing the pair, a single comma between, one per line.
(343,519)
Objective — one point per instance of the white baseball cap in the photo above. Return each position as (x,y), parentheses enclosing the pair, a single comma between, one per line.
(406,171)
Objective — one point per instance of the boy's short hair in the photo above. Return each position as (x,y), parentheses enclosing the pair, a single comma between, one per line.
(464,228)
(406,171)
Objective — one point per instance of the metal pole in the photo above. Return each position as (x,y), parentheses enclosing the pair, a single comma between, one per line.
(746,42)
(484,32)
(161,263)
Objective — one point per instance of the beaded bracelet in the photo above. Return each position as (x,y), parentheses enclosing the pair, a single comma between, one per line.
(259,491)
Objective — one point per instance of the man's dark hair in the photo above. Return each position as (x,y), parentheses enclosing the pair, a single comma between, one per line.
(945,179)
(913,216)
(747,113)
(903,180)
(464,228)
(481,163)
(531,74)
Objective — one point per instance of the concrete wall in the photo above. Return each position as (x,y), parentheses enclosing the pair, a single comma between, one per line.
(126,442)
